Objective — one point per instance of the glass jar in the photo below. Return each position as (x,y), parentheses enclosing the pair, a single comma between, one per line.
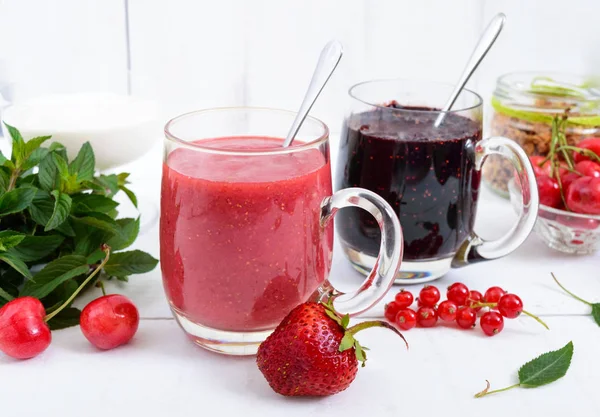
(523,107)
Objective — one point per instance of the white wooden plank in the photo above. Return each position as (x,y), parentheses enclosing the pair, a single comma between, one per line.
(187,54)
(63,46)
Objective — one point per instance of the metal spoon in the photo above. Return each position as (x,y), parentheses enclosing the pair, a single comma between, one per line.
(328,61)
(487,39)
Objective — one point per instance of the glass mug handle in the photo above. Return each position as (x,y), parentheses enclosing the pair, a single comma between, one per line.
(475,249)
(381,278)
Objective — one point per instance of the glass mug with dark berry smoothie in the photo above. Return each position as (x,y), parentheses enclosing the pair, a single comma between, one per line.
(244,230)
(429,175)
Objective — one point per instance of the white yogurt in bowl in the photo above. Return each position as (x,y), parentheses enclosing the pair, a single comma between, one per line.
(120,128)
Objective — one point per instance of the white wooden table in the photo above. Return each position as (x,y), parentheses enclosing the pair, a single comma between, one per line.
(162,373)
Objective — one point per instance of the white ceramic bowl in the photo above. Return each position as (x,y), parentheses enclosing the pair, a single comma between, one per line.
(120,128)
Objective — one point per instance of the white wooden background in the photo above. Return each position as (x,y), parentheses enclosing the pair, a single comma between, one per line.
(191,54)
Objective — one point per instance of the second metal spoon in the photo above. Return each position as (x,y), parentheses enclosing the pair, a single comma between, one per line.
(328,60)
(489,36)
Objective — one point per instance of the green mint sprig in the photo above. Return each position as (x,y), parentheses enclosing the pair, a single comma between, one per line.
(542,370)
(595,306)
(55,215)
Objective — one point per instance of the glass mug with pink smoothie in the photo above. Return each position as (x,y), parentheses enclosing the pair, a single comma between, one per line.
(245,234)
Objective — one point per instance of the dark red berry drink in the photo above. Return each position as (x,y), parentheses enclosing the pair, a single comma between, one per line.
(391,145)
(244,227)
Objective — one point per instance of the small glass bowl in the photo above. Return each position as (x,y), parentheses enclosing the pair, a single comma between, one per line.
(563,230)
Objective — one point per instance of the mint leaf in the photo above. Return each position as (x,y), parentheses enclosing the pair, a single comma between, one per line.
(6,296)
(85,203)
(131,262)
(53,172)
(33,248)
(99,221)
(35,158)
(33,144)
(84,163)
(128,232)
(596,312)
(62,207)
(54,274)
(68,317)
(2,158)
(18,149)
(16,200)
(4,179)
(88,240)
(130,194)
(8,239)
(546,368)
(108,183)
(15,263)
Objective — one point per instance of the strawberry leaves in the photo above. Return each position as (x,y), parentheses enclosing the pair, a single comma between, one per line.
(542,370)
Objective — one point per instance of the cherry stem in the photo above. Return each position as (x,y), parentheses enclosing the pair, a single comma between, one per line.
(569,292)
(486,392)
(106,250)
(100,285)
(377,323)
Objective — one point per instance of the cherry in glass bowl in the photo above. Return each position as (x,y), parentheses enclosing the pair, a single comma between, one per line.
(563,230)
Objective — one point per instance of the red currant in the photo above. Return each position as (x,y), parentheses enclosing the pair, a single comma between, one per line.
(404,299)
(491,323)
(466,317)
(510,306)
(429,296)
(493,295)
(391,310)
(447,310)
(458,293)
(406,319)
(474,298)
(426,317)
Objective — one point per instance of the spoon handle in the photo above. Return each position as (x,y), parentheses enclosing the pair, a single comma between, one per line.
(487,39)
(328,60)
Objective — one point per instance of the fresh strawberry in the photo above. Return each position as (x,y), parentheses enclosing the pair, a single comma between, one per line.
(313,352)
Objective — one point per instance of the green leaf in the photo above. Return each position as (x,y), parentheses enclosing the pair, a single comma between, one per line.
(53,172)
(84,163)
(345,321)
(596,313)
(128,232)
(130,194)
(108,183)
(18,149)
(99,221)
(35,158)
(68,317)
(33,144)
(124,279)
(361,356)
(87,240)
(2,158)
(62,208)
(6,296)
(4,179)
(347,342)
(8,239)
(546,368)
(54,274)
(131,262)
(16,263)
(85,203)
(34,248)
(96,256)
(16,200)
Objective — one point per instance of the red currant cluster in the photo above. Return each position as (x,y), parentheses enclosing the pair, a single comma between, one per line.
(461,306)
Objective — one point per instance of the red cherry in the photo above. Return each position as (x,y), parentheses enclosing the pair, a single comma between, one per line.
(429,296)
(109,321)
(540,169)
(458,293)
(493,295)
(447,310)
(426,317)
(549,192)
(474,298)
(404,299)
(588,169)
(391,310)
(23,331)
(510,306)
(584,195)
(567,179)
(591,144)
(491,323)
(406,319)
(466,317)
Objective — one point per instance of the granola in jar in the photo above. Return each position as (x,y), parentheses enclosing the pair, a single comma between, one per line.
(524,105)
